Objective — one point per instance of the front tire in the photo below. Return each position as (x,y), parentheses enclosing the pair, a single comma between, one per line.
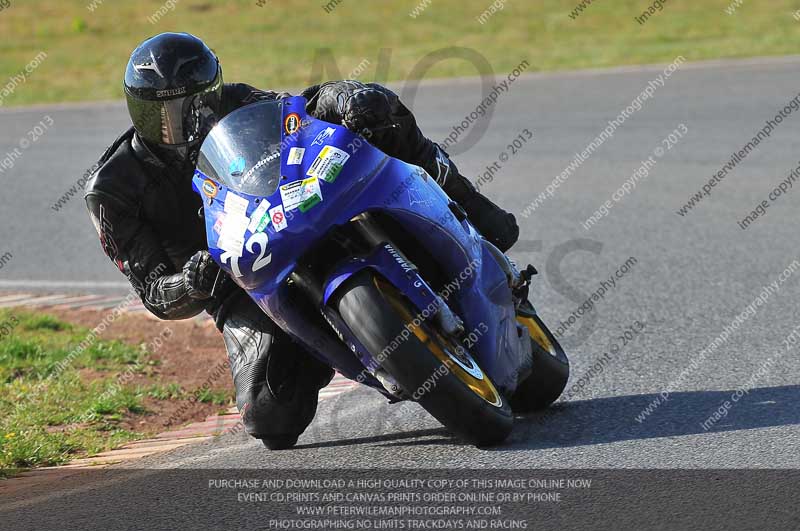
(550,370)
(444,380)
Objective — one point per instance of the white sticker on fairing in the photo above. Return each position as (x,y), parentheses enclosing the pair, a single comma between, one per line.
(258,219)
(236,205)
(295,156)
(231,235)
(296,192)
(278,218)
(328,163)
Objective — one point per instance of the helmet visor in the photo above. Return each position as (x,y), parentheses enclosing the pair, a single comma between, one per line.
(176,121)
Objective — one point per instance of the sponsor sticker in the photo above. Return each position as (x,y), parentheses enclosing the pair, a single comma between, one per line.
(292,123)
(231,237)
(210,188)
(278,218)
(328,164)
(295,156)
(259,219)
(294,193)
(218,224)
(236,167)
(236,205)
(322,136)
(310,203)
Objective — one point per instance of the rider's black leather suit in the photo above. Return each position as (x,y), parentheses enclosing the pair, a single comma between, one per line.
(146,214)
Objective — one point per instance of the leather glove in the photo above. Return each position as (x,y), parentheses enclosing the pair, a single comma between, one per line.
(199,275)
(366,110)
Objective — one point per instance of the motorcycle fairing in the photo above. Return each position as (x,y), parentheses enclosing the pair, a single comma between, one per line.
(368,181)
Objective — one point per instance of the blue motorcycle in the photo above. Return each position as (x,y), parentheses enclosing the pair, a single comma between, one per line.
(365,261)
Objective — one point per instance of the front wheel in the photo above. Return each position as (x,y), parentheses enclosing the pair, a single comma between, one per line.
(550,370)
(434,370)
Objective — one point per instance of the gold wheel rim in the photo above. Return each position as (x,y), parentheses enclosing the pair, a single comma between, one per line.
(442,348)
(537,334)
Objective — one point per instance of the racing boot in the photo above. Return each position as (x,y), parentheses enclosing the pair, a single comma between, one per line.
(277,382)
(495,224)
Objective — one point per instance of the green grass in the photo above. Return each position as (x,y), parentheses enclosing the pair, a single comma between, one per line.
(49,414)
(174,391)
(278,45)
(218,398)
(57,403)
(166,392)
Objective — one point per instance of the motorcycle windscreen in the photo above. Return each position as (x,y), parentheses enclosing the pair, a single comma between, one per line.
(243,151)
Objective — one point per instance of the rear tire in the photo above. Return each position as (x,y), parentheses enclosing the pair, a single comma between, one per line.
(378,314)
(550,371)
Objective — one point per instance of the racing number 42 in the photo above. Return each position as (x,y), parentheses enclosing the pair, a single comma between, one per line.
(263,259)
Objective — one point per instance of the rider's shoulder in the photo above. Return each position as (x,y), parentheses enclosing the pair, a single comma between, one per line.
(118,174)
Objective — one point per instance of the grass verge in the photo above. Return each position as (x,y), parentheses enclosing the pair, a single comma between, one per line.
(275,44)
(56,404)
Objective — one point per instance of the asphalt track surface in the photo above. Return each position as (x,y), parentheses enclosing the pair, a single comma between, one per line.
(693,275)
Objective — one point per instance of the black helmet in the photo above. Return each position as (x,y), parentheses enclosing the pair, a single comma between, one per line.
(173,84)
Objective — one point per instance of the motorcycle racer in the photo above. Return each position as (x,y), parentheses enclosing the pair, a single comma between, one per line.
(141,203)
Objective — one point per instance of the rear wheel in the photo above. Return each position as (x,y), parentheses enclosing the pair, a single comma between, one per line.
(550,370)
(433,369)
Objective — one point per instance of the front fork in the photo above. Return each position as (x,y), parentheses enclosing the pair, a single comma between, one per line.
(518,281)
(449,323)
